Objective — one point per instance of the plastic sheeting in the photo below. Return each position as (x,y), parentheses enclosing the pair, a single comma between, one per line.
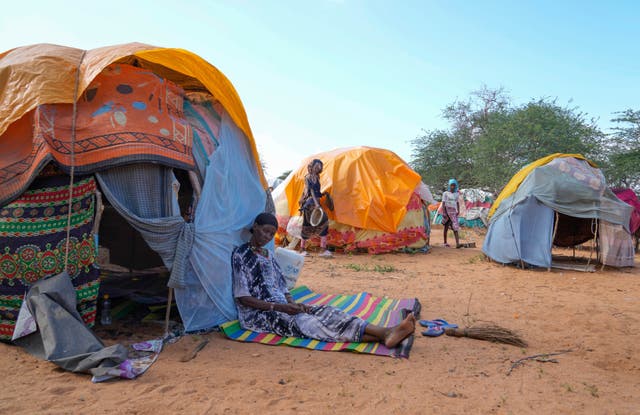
(199,253)
(573,187)
(517,178)
(232,196)
(616,245)
(370,187)
(524,233)
(45,74)
(521,228)
(629,197)
(62,337)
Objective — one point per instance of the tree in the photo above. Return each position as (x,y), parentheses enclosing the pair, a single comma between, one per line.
(521,135)
(623,151)
(439,155)
(490,139)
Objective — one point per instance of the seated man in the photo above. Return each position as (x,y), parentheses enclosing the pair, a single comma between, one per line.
(265,305)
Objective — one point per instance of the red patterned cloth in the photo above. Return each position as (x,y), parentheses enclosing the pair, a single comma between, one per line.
(33,234)
(126,114)
(411,233)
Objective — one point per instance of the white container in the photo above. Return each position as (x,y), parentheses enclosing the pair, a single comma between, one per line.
(291,263)
(294,227)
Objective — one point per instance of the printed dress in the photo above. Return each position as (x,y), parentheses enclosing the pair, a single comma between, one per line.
(307,207)
(257,276)
(450,210)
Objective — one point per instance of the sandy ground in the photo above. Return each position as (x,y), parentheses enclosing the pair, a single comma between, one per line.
(595,315)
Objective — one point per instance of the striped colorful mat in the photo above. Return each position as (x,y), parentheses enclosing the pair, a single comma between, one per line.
(377,310)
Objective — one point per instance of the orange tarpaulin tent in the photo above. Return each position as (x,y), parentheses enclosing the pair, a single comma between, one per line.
(371,187)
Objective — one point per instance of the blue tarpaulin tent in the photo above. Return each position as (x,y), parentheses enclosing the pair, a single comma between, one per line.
(563,202)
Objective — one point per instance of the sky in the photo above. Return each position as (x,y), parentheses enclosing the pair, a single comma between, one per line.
(318,75)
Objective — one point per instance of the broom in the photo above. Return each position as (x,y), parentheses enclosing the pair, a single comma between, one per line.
(489,332)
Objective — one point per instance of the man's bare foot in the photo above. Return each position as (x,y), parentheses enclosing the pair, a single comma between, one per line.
(400,332)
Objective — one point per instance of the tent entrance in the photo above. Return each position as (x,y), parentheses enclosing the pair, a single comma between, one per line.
(570,250)
(571,231)
(122,248)
(131,273)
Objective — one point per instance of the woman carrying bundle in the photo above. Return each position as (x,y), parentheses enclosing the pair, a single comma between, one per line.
(311,209)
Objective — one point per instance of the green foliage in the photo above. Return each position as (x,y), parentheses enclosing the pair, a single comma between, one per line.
(622,165)
(518,136)
(356,267)
(592,389)
(376,268)
(439,156)
(490,139)
(284,174)
(384,268)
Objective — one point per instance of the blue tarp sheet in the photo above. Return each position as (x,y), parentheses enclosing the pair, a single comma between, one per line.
(232,196)
(523,233)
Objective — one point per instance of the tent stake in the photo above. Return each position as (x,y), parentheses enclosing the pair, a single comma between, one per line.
(168,312)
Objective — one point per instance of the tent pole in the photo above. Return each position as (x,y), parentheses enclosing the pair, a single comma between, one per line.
(168,312)
(195,183)
(553,237)
(197,190)
(593,241)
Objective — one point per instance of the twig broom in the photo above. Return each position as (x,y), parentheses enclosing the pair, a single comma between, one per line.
(489,332)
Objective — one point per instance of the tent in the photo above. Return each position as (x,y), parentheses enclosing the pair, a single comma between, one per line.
(474,208)
(146,128)
(376,195)
(561,200)
(629,197)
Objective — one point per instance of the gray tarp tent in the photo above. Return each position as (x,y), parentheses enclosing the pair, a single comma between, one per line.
(564,202)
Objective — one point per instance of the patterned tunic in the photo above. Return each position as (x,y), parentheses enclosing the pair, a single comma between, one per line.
(450,210)
(307,207)
(260,277)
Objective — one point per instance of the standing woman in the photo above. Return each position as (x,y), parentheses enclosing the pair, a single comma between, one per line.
(309,201)
(450,209)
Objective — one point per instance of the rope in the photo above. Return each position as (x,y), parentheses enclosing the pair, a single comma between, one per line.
(73,157)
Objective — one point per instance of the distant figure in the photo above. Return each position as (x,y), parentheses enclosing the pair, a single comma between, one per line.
(450,209)
(309,202)
(265,305)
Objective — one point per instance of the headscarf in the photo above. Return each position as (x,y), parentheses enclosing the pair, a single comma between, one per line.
(266,218)
(313,163)
(455,183)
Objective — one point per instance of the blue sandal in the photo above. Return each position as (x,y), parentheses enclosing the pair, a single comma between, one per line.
(434,331)
(437,323)
(443,323)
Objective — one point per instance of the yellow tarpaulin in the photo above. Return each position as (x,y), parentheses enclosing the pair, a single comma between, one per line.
(370,186)
(517,178)
(46,74)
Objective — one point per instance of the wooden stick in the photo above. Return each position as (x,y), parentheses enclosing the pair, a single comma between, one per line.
(537,357)
(195,351)
(469,303)
(168,312)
